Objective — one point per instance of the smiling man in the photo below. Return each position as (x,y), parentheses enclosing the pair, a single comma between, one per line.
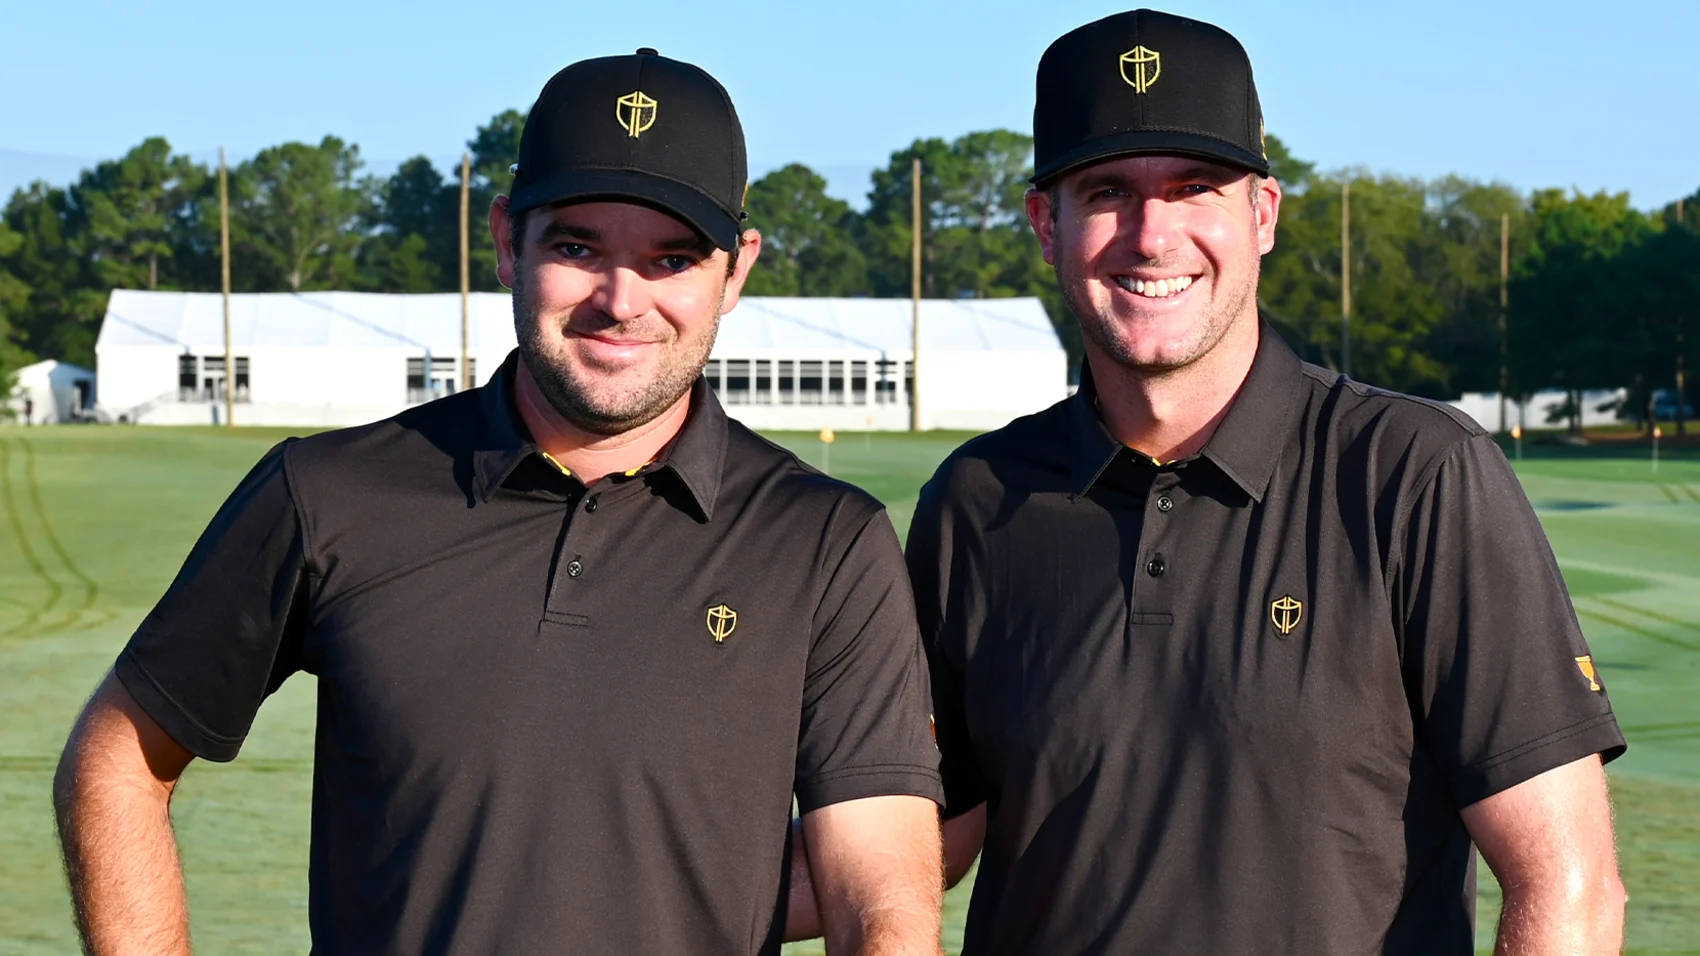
(1232,654)
(579,638)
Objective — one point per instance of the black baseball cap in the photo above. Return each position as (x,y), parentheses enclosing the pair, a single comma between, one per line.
(642,128)
(1145,82)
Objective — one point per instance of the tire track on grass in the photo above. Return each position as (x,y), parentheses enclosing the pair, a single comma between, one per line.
(90,588)
(8,504)
(1667,492)
(1689,491)
(1644,612)
(1648,633)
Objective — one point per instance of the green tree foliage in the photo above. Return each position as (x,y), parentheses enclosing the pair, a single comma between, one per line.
(14,297)
(62,315)
(295,216)
(130,214)
(807,245)
(1570,321)
(494,148)
(414,245)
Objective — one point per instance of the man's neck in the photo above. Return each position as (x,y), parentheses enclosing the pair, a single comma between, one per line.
(1172,415)
(587,455)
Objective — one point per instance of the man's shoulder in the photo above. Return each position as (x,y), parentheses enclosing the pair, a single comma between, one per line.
(769,475)
(1029,452)
(1365,420)
(436,431)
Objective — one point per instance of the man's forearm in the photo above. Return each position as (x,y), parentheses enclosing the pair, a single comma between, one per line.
(120,855)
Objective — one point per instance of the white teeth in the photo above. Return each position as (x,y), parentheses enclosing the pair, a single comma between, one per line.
(1155,288)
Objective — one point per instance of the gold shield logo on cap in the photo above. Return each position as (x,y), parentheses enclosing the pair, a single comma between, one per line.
(1146,65)
(1285,612)
(636,112)
(721,621)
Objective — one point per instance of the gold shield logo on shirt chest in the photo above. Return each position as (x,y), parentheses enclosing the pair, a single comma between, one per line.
(721,621)
(1285,612)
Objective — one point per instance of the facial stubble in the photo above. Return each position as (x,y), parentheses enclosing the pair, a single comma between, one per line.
(576,401)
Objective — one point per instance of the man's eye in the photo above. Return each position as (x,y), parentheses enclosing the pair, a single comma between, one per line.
(572,250)
(1196,189)
(677,262)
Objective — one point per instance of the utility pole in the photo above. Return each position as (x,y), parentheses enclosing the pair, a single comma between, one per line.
(465,272)
(224,270)
(1346,278)
(915,295)
(1504,312)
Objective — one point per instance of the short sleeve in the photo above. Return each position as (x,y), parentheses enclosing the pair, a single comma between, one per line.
(1501,681)
(864,726)
(929,559)
(228,631)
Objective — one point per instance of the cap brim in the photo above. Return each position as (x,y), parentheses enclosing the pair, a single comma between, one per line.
(1150,142)
(683,202)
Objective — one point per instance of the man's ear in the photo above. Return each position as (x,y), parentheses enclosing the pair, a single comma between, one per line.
(502,236)
(1267,207)
(749,248)
(1042,218)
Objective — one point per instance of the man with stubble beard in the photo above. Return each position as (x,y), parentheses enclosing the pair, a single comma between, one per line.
(579,638)
(1232,654)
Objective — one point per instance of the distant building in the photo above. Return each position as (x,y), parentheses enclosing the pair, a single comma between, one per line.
(339,358)
(1543,410)
(52,392)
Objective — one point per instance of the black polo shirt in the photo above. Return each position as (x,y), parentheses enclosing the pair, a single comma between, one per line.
(551,718)
(1233,704)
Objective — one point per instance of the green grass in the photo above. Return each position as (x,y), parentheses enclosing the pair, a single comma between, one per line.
(94,522)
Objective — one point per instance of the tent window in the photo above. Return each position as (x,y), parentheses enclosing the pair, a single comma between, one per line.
(442,380)
(764,382)
(201,378)
(737,381)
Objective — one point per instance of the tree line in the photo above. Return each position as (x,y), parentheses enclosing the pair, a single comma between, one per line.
(1601,294)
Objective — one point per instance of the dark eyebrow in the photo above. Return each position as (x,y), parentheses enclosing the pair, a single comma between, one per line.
(1211,173)
(554,231)
(1215,175)
(695,244)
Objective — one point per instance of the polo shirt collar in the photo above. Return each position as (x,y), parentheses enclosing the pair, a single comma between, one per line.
(1246,443)
(504,442)
(697,455)
(1091,446)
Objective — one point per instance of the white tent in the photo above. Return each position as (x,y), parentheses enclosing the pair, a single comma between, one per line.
(51,392)
(331,358)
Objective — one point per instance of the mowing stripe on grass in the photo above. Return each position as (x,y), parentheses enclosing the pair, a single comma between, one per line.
(91,590)
(1663,732)
(1690,492)
(1668,493)
(1659,636)
(8,503)
(1644,612)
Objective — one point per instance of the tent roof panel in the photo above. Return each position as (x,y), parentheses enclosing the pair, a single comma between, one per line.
(194,322)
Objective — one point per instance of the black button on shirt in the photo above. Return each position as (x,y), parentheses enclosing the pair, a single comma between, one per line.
(508,764)
(1267,752)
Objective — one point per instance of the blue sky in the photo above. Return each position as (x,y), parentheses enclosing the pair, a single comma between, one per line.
(1588,96)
